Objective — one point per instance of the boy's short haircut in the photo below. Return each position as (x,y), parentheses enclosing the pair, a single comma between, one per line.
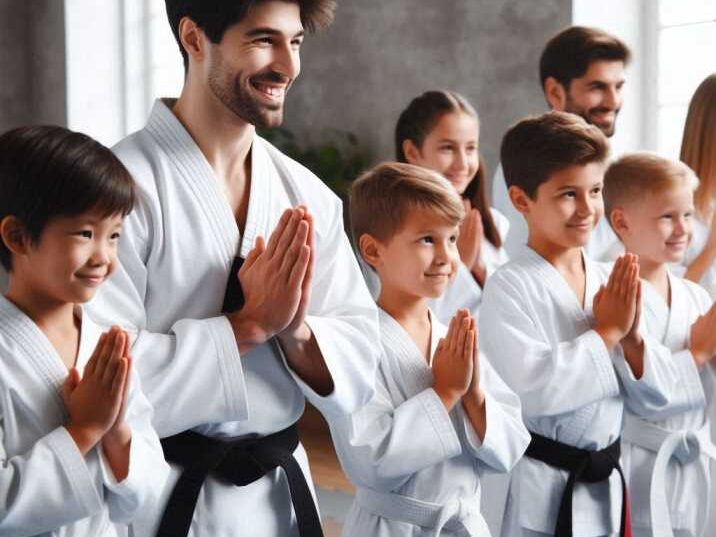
(569,54)
(633,176)
(48,172)
(381,198)
(537,147)
(215,16)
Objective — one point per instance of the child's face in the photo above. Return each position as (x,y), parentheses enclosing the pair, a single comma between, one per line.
(658,226)
(72,258)
(566,207)
(451,149)
(421,258)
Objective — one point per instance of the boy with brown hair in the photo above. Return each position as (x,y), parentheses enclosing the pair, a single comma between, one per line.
(566,329)
(650,204)
(441,416)
(581,71)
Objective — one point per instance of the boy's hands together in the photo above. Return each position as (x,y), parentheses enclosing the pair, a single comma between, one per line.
(616,304)
(453,363)
(703,337)
(95,401)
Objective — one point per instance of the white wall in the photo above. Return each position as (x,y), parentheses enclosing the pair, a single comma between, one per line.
(95,86)
(630,20)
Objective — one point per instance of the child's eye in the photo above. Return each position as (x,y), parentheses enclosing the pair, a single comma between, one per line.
(115,236)
(688,215)
(427,239)
(85,233)
(445,148)
(453,239)
(569,194)
(597,190)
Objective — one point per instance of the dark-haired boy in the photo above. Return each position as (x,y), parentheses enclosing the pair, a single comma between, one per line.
(233,354)
(581,71)
(566,329)
(79,455)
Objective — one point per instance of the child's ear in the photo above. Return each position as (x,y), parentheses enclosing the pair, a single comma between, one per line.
(619,222)
(519,199)
(411,151)
(555,94)
(369,249)
(12,233)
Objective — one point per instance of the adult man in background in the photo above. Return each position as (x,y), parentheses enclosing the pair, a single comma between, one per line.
(581,71)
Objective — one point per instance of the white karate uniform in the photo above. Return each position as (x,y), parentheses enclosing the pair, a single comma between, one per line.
(47,487)
(700,234)
(572,389)
(686,483)
(464,291)
(603,244)
(176,253)
(411,460)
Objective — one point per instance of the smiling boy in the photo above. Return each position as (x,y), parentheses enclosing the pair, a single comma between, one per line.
(566,329)
(441,417)
(649,200)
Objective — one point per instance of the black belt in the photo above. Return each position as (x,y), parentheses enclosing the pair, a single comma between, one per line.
(240,462)
(582,465)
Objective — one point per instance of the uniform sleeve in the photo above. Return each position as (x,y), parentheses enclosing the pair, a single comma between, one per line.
(506,437)
(381,446)
(46,488)
(198,360)
(148,470)
(344,320)
(549,379)
(669,385)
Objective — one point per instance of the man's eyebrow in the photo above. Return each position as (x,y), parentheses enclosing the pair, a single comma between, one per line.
(267,30)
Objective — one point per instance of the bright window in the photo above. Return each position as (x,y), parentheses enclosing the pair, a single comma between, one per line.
(686,44)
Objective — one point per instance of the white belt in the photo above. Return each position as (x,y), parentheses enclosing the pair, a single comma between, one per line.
(461,516)
(683,445)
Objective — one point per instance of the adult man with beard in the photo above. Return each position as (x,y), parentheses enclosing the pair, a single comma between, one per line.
(581,71)
(227,355)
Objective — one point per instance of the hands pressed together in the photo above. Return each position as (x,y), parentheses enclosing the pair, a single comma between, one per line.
(617,310)
(276,282)
(703,337)
(456,364)
(96,401)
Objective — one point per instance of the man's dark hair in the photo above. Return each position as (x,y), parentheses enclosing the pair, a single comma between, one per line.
(48,172)
(537,147)
(569,54)
(215,16)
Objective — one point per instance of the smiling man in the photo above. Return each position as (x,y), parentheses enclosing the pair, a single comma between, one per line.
(238,279)
(581,71)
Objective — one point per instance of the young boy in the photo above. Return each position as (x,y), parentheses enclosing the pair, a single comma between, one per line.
(649,202)
(79,455)
(566,331)
(441,416)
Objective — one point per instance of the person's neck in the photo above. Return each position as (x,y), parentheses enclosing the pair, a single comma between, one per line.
(401,307)
(657,274)
(222,136)
(53,317)
(564,259)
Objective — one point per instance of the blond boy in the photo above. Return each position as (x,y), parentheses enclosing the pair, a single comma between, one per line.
(441,416)
(649,201)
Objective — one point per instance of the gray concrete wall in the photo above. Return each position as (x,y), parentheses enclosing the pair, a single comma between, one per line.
(378,55)
(32,58)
